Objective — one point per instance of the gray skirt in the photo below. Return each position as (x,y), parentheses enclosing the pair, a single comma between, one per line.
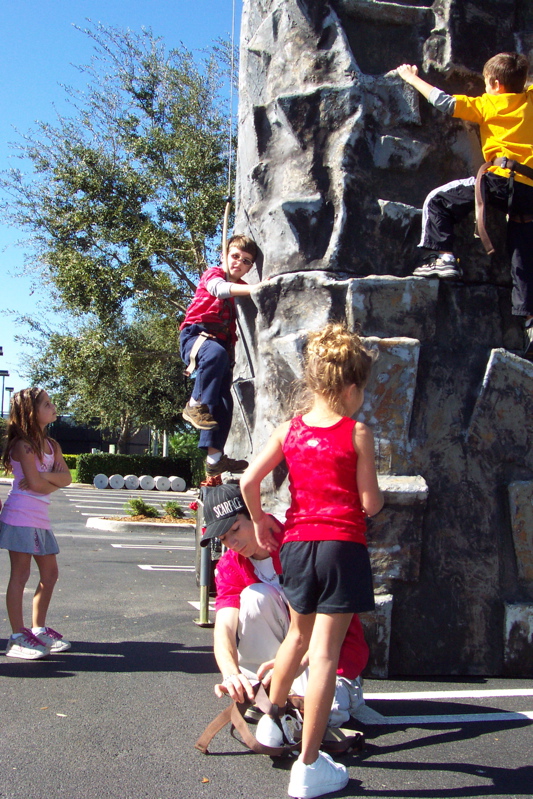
(33,540)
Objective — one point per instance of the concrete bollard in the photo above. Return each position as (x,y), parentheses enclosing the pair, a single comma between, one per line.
(146,482)
(100,481)
(116,481)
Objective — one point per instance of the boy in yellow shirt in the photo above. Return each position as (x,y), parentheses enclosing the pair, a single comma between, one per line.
(505,118)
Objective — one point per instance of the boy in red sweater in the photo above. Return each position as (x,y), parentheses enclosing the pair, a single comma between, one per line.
(208,336)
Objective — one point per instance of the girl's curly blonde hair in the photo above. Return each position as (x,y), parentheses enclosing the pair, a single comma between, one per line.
(334,359)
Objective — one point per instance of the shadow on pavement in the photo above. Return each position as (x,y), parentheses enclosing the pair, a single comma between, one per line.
(123,656)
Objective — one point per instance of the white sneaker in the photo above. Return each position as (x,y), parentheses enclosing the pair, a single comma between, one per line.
(357,700)
(269,733)
(443,265)
(26,646)
(322,776)
(347,700)
(52,639)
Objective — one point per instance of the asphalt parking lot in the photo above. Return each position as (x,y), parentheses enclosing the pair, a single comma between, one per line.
(118,715)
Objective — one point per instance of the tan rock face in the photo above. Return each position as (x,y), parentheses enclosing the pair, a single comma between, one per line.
(336,155)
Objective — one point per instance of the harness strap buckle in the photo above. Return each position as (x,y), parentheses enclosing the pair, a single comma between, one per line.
(200,341)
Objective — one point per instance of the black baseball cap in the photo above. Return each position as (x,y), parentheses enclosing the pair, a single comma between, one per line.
(221,505)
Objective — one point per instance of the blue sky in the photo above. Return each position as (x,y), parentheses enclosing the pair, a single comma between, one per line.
(39,46)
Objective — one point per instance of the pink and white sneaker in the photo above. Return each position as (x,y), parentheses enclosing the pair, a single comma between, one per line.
(26,646)
(52,639)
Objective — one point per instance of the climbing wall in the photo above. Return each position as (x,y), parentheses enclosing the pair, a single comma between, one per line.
(336,155)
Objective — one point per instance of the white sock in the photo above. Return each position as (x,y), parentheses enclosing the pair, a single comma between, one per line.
(16,635)
(214,458)
(37,630)
(194,403)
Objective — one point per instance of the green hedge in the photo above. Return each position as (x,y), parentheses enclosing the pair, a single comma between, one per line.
(71,460)
(106,463)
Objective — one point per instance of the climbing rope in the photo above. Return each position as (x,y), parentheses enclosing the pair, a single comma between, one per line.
(230,144)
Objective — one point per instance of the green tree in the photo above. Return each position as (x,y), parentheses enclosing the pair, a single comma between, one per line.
(127,193)
(125,375)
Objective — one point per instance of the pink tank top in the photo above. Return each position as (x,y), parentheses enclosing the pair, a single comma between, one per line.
(27,508)
(322,465)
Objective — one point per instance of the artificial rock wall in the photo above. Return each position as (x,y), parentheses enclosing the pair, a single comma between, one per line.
(336,155)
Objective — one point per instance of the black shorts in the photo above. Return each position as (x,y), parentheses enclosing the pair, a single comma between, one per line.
(327,576)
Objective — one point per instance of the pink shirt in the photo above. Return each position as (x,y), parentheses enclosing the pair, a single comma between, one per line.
(28,508)
(234,573)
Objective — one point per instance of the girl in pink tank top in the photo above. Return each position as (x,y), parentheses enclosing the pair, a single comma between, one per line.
(326,569)
(38,469)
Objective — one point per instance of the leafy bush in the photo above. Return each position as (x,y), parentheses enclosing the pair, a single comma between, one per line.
(138,507)
(106,463)
(174,510)
(71,460)
(185,445)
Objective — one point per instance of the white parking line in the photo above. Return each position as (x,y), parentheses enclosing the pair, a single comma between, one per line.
(196,605)
(125,537)
(462,718)
(453,718)
(164,568)
(116,512)
(89,503)
(479,694)
(96,504)
(164,547)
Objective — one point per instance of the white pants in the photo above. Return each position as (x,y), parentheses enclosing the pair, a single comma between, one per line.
(263,624)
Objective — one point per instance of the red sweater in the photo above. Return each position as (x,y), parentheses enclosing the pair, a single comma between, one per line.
(206,308)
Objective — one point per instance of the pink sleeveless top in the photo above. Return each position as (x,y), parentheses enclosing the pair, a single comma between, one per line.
(27,508)
(322,465)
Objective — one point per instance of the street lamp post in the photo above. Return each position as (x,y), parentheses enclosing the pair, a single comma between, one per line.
(10,390)
(3,374)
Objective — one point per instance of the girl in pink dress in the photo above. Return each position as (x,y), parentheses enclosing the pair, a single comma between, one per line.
(38,469)
(326,568)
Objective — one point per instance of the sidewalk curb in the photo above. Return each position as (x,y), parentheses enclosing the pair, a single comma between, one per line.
(114,526)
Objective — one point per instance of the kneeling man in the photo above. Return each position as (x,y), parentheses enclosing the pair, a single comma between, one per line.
(252,615)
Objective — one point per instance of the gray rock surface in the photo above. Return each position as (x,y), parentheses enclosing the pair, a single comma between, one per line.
(336,155)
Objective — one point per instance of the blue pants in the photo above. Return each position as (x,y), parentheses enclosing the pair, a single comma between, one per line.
(212,385)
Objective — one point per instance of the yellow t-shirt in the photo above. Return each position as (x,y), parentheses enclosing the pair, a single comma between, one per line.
(505,125)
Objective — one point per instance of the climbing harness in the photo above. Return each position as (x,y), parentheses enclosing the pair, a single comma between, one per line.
(505,163)
(202,337)
(335,740)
